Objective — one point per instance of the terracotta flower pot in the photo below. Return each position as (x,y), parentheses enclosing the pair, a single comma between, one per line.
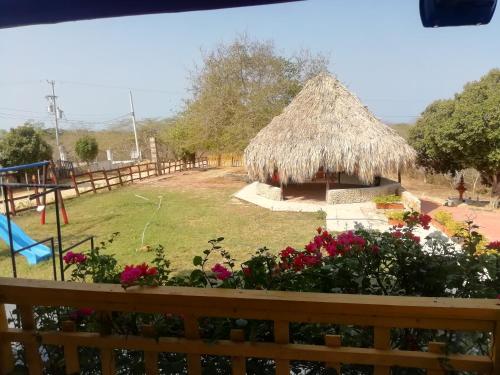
(396,222)
(389,206)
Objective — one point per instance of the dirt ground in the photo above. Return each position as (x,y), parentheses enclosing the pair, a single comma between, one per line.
(201,179)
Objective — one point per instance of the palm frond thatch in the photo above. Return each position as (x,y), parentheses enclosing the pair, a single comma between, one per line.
(326,126)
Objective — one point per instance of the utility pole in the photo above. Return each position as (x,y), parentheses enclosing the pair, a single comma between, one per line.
(56,111)
(132,114)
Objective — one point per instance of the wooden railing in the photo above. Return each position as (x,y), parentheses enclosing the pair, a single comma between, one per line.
(92,181)
(225,160)
(380,312)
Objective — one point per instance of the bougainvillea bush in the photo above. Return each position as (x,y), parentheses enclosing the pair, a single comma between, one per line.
(396,262)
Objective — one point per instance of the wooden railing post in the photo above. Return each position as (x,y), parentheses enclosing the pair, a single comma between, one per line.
(120,177)
(75,184)
(191,330)
(70,350)
(139,169)
(12,202)
(382,341)
(281,336)
(150,358)
(495,349)
(436,348)
(92,181)
(131,174)
(238,364)
(106,179)
(31,347)
(6,360)
(333,341)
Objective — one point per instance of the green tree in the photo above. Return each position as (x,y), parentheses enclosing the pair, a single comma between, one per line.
(86,148)
(23,145)
(239,88)
(463,132)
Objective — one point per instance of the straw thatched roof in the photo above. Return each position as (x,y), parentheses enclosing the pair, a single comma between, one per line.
(326,126)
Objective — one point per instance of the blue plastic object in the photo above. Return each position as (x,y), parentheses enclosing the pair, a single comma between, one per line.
(33,255)
(24,166)
(30,12)
(439,13)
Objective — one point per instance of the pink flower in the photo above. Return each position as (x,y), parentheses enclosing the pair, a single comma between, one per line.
(130,275)
(74,258)
(375,249)
(221,272)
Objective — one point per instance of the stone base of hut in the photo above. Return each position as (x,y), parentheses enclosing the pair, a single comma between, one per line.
(346,189)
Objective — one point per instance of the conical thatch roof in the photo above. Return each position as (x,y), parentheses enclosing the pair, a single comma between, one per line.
(326,126)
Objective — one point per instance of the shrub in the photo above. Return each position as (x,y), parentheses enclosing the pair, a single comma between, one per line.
(455,228)
(396,262)
(387,199)
(395,215)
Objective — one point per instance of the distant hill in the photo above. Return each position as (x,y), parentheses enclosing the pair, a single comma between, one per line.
(403,129)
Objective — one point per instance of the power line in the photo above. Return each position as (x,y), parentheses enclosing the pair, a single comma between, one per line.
(116,87)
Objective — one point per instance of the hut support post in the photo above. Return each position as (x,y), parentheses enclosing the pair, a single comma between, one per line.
(281,191)
(399,176)
(327,187)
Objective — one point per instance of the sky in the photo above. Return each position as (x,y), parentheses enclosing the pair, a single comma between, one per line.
(378,49)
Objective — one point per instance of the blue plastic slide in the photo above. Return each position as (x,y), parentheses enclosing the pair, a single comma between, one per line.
(34,254)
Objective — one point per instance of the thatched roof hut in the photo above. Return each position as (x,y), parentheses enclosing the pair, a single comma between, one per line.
(326,126)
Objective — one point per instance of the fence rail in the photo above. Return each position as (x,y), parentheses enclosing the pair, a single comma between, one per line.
(380,312)
(105,179)
(93,181)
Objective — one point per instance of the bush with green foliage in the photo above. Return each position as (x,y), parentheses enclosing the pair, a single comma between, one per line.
(463,132)
(86,148)
(393,198)
(23,145)
(395,262)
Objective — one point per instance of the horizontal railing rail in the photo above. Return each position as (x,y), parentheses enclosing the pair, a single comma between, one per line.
(383,313)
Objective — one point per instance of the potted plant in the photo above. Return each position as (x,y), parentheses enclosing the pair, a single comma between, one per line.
(386,202)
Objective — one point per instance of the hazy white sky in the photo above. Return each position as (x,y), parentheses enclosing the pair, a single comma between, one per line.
(379,49)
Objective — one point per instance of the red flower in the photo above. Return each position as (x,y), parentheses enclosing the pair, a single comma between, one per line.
(131,274)
(221,272)
(424,221)
(247,271)
(494,245)
(375,249)
(311,247)
(81,313)
(289,251)
(397,234)
(74,258)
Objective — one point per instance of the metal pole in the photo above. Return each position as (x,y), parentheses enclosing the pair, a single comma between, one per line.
(132,113)
(54,267)
(9,229)
(54,103)
(59,237)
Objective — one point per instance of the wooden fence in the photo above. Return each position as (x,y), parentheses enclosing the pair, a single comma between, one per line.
(380,312)
(225,160)
(106,179)
(87,182)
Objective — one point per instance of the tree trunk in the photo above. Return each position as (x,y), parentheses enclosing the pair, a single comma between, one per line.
(495,185)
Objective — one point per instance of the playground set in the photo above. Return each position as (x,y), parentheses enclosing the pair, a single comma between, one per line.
(44,182)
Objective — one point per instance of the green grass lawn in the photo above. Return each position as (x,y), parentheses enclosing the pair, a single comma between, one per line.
(184,224)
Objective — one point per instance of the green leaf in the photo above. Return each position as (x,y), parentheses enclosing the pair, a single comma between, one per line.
(197,260)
